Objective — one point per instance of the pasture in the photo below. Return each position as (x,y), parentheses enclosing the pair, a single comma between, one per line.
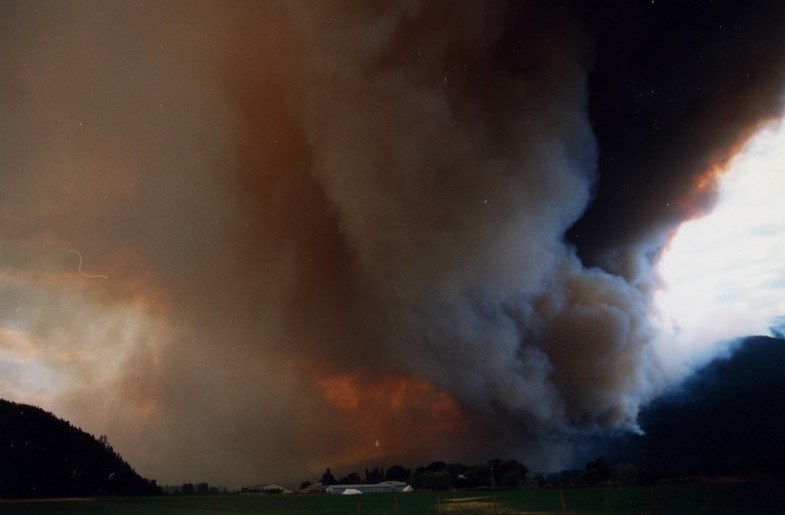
(665,499)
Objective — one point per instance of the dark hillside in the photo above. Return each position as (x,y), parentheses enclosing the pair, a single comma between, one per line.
(728,418)
(44,456)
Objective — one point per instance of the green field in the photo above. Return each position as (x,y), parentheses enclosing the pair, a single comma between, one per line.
(710,498)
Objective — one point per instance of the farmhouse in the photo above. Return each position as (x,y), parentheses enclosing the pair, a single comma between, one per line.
(383,487)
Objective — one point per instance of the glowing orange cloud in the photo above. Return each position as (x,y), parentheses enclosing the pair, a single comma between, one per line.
(701,197)
(386,411)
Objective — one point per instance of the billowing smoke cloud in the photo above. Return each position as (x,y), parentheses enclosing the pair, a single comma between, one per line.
(333,234)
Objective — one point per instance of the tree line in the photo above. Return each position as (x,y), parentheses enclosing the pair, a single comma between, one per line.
(203,488)
(439,475)
(498,473)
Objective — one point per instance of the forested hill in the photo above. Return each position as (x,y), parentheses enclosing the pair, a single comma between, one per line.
(726,419)
(44,456)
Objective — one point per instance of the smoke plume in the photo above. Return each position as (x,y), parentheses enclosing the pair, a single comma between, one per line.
(352,233)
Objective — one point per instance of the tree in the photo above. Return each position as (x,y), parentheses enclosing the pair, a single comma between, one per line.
(376,475)
(495,466)
(398,473)
(433,477)
(507,473)
(428,480)
(513,473)
(627,473)
(459,476)
(477,476)
(305,484)
(353,478)
(597,471)
(436,466)
(328,478)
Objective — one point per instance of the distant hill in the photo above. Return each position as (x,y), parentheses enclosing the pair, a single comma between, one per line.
(44,456)
(727,418)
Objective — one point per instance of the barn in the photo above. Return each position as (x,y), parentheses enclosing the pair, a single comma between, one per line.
(378,488)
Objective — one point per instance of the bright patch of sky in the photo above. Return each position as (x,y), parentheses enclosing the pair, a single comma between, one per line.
(61,339)
(724,274)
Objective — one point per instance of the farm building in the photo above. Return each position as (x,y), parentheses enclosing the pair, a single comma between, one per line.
(268,488)
(313,488)
(383,487)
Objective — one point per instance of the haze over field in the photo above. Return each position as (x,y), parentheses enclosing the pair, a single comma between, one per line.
(248,241)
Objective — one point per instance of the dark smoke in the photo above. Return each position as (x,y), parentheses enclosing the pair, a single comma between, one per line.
(675,90)
(326,225)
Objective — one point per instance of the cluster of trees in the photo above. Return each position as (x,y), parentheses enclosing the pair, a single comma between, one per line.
(439,475)
(600,471)
(496,473)
(201,489)
(372,476)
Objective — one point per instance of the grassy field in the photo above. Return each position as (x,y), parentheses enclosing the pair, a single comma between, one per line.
(710,498)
